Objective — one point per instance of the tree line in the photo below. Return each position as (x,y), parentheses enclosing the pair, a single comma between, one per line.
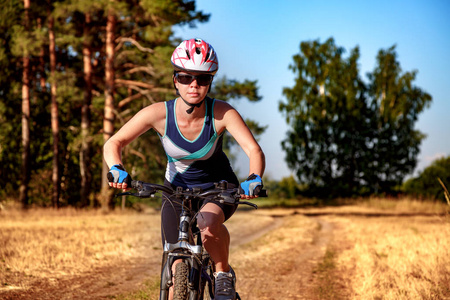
(71,73)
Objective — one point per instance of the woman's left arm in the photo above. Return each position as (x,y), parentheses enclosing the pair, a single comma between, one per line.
(232,121)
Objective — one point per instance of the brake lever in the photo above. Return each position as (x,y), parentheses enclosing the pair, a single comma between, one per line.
(227,198)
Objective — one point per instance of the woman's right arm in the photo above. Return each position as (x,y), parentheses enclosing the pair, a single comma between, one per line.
(152,116)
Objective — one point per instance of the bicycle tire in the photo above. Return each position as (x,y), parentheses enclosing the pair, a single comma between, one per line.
(180,284)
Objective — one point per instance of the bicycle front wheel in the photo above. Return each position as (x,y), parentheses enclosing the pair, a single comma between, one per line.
(180,283)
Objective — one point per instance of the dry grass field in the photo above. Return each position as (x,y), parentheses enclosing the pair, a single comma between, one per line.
(40,250)
(378,249)
(395,257)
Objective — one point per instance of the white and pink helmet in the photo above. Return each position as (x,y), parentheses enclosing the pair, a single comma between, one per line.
(195,55)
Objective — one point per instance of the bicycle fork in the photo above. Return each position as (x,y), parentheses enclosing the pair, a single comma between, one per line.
(185,251)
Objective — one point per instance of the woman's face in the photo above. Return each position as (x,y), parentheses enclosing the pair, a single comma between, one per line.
(193,87)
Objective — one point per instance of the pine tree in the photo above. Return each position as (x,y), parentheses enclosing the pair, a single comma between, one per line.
(86,139)
(68,90)
(25,112)
(56,179)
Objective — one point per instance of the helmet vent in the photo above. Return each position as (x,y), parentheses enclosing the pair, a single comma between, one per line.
(188,55)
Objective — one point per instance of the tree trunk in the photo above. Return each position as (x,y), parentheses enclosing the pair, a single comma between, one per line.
(25,172)
(85,152)
(108,120)
(41,68)
(56,179)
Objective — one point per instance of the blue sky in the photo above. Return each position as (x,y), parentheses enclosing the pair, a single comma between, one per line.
(256,40)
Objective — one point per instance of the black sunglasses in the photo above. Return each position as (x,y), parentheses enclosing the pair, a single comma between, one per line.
(203,79)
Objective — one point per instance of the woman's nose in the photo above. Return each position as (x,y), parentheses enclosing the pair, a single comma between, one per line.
(194,83)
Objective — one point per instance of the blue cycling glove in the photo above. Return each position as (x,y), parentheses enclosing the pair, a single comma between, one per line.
(119,175)
(252,186)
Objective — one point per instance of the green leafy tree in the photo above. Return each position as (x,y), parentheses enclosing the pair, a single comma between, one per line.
(343,138)
(426,185)
(327,112)
(396,104)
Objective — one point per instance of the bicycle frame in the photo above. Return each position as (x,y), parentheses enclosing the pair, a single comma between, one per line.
(190,252)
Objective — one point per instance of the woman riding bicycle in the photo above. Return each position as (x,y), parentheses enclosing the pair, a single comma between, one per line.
(191,129)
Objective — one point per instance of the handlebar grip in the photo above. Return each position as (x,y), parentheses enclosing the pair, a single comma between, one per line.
(262,193)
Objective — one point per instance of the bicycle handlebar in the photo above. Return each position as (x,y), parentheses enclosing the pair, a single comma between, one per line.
(220,192)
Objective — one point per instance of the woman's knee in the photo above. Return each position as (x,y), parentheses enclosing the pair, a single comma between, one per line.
(210,219)
(209,222)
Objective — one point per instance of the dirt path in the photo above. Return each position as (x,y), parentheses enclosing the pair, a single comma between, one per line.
(276,253)
(284,259)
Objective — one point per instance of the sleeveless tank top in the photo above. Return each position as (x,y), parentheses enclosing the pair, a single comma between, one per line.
(197,162)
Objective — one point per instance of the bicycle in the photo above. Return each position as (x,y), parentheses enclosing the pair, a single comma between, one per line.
(194,275)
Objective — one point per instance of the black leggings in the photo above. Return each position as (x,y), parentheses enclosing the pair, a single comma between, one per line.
(171,210)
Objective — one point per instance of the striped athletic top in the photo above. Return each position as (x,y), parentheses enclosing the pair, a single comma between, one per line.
(196,162)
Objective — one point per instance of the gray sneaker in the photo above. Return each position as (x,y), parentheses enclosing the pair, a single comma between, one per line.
(225,285)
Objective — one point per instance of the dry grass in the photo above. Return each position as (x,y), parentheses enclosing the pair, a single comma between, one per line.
(43,243)
(406,205)
(396,258)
